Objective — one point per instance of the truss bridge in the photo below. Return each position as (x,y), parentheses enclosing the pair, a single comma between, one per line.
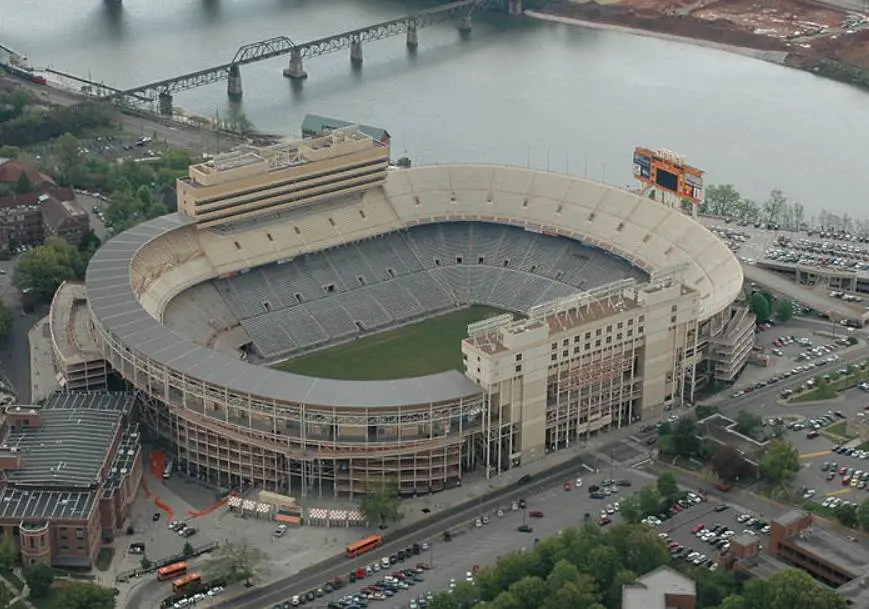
(162,91)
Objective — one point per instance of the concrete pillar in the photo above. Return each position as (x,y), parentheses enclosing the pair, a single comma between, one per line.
(465,23)
(296,71)
(233,85)
(356,51)
(412,36)
(514,7)
(166,103)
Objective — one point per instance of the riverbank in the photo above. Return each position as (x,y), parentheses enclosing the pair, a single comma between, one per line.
(831,44)
(772,56)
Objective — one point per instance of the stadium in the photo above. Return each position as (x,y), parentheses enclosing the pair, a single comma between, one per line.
(608,308)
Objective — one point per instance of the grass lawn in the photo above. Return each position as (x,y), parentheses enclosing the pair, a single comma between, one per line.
(839,430)
(427,347)
(14,580)
(49,601)
(104,558)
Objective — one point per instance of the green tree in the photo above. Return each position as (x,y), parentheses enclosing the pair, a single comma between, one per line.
(8,554)
(780,463)
(5,596)
(528,591)
(747,423)
(44,268)
(80,595)
(235,561)
(668,486)
(188,549)
(734,601)
(705,410)
(623,578)
(846,515)
(444,601)
(685,440)
(5,320)
(649,500)
(630,510)
(783,310)
(23,185)
(578,593)
(729,464)
(639,547)
(67,153)
(760,307)
(713,588)
(791,589)
(465,595)
(722,200)
(9,152)
(863,514)
(39,578)
(381,505)
(146,563)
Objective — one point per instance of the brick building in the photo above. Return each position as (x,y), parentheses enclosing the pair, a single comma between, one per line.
(70,472)
(663,588)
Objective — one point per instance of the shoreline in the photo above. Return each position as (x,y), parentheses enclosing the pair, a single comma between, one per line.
(776,57)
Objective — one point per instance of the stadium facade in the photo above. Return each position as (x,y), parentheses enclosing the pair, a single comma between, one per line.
(627,307)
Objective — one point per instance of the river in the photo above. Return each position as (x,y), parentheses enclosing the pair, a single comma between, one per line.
(520,92)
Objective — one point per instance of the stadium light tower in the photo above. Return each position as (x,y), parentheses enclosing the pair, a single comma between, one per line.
(665,177)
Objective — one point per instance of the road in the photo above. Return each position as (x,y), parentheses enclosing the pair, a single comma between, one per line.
(177,136)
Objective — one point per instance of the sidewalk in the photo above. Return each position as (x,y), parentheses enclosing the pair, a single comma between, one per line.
(43,379)
(18,596)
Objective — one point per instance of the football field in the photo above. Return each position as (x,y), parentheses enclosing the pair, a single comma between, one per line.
(426,347)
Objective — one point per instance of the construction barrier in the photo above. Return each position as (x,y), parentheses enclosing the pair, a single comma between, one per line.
(322,517)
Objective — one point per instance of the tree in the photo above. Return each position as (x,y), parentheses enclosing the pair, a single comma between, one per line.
(465,595)
(705,410)
(39,577)
(42,269)
(780,463)
(80,595)
(5,320)
(863,514)
(188,549)
(846,515)
(5,596)
(760,307)
(685,440)
(783,310)
(235,561)
(668,487)
(722,200)
(630,510)
(729,464)
(381,505)
(747,423)
(146,563)
(23,185)
(791,589)
(8,554)
(649,500)
(67,153)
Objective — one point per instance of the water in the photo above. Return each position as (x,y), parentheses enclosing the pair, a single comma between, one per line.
(537,94)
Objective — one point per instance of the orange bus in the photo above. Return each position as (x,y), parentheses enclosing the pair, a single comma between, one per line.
(363,546)
(182,583)
(171,571)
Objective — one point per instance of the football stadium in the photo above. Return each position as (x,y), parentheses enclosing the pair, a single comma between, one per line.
(315,321)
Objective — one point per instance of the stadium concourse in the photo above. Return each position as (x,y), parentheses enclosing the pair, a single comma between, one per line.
(626,307)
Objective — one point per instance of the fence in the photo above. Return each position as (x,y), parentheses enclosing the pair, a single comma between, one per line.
(322,517)
(197,551)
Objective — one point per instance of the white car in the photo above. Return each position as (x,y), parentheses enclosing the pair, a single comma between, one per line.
(280,530)
(469,577)
(809,493)
(578,482)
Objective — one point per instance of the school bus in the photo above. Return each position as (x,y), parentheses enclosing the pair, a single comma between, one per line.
(172,571)
(183,583)
(363,546)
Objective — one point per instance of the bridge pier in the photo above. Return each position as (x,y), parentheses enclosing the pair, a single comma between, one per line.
(165,103)
(412,36)
(356,51)
(233,84)
(514,7)
(465,23)
(296,71)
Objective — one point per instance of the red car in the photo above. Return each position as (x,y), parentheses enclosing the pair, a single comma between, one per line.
(535,514)
(568,485)
(605,521)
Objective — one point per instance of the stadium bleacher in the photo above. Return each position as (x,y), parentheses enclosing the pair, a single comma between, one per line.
(392,279)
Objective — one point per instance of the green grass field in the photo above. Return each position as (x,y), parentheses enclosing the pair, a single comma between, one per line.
(427,347)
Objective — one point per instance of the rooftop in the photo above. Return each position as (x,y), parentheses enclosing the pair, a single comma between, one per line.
(315,124)
(18,504)
(69,447)
(70,324)
(790,518)
(848,556)
(650,590)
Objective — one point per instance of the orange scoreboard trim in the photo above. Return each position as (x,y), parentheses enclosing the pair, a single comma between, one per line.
(666,172)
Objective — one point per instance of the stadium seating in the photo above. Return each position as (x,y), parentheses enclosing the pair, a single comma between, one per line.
(199,312)
(369,285)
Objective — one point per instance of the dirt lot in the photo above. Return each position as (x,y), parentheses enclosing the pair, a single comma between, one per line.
(810,31)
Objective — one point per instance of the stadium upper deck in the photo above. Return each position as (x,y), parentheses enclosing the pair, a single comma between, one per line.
(133,277)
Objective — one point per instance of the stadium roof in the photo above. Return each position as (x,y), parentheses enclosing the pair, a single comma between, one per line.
(116,307)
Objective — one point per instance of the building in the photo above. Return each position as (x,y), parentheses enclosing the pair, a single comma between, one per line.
(323,237)
(314,126)
(77,359)
(663,588)
(722,430)
(11,172)
(26,220)
(70,472)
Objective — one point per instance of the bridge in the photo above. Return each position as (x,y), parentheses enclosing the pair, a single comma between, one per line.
(163,90)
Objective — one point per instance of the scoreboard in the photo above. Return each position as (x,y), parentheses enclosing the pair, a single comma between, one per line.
(666,171)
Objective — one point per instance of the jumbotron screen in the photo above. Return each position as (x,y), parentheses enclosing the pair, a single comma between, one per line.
(667,171)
